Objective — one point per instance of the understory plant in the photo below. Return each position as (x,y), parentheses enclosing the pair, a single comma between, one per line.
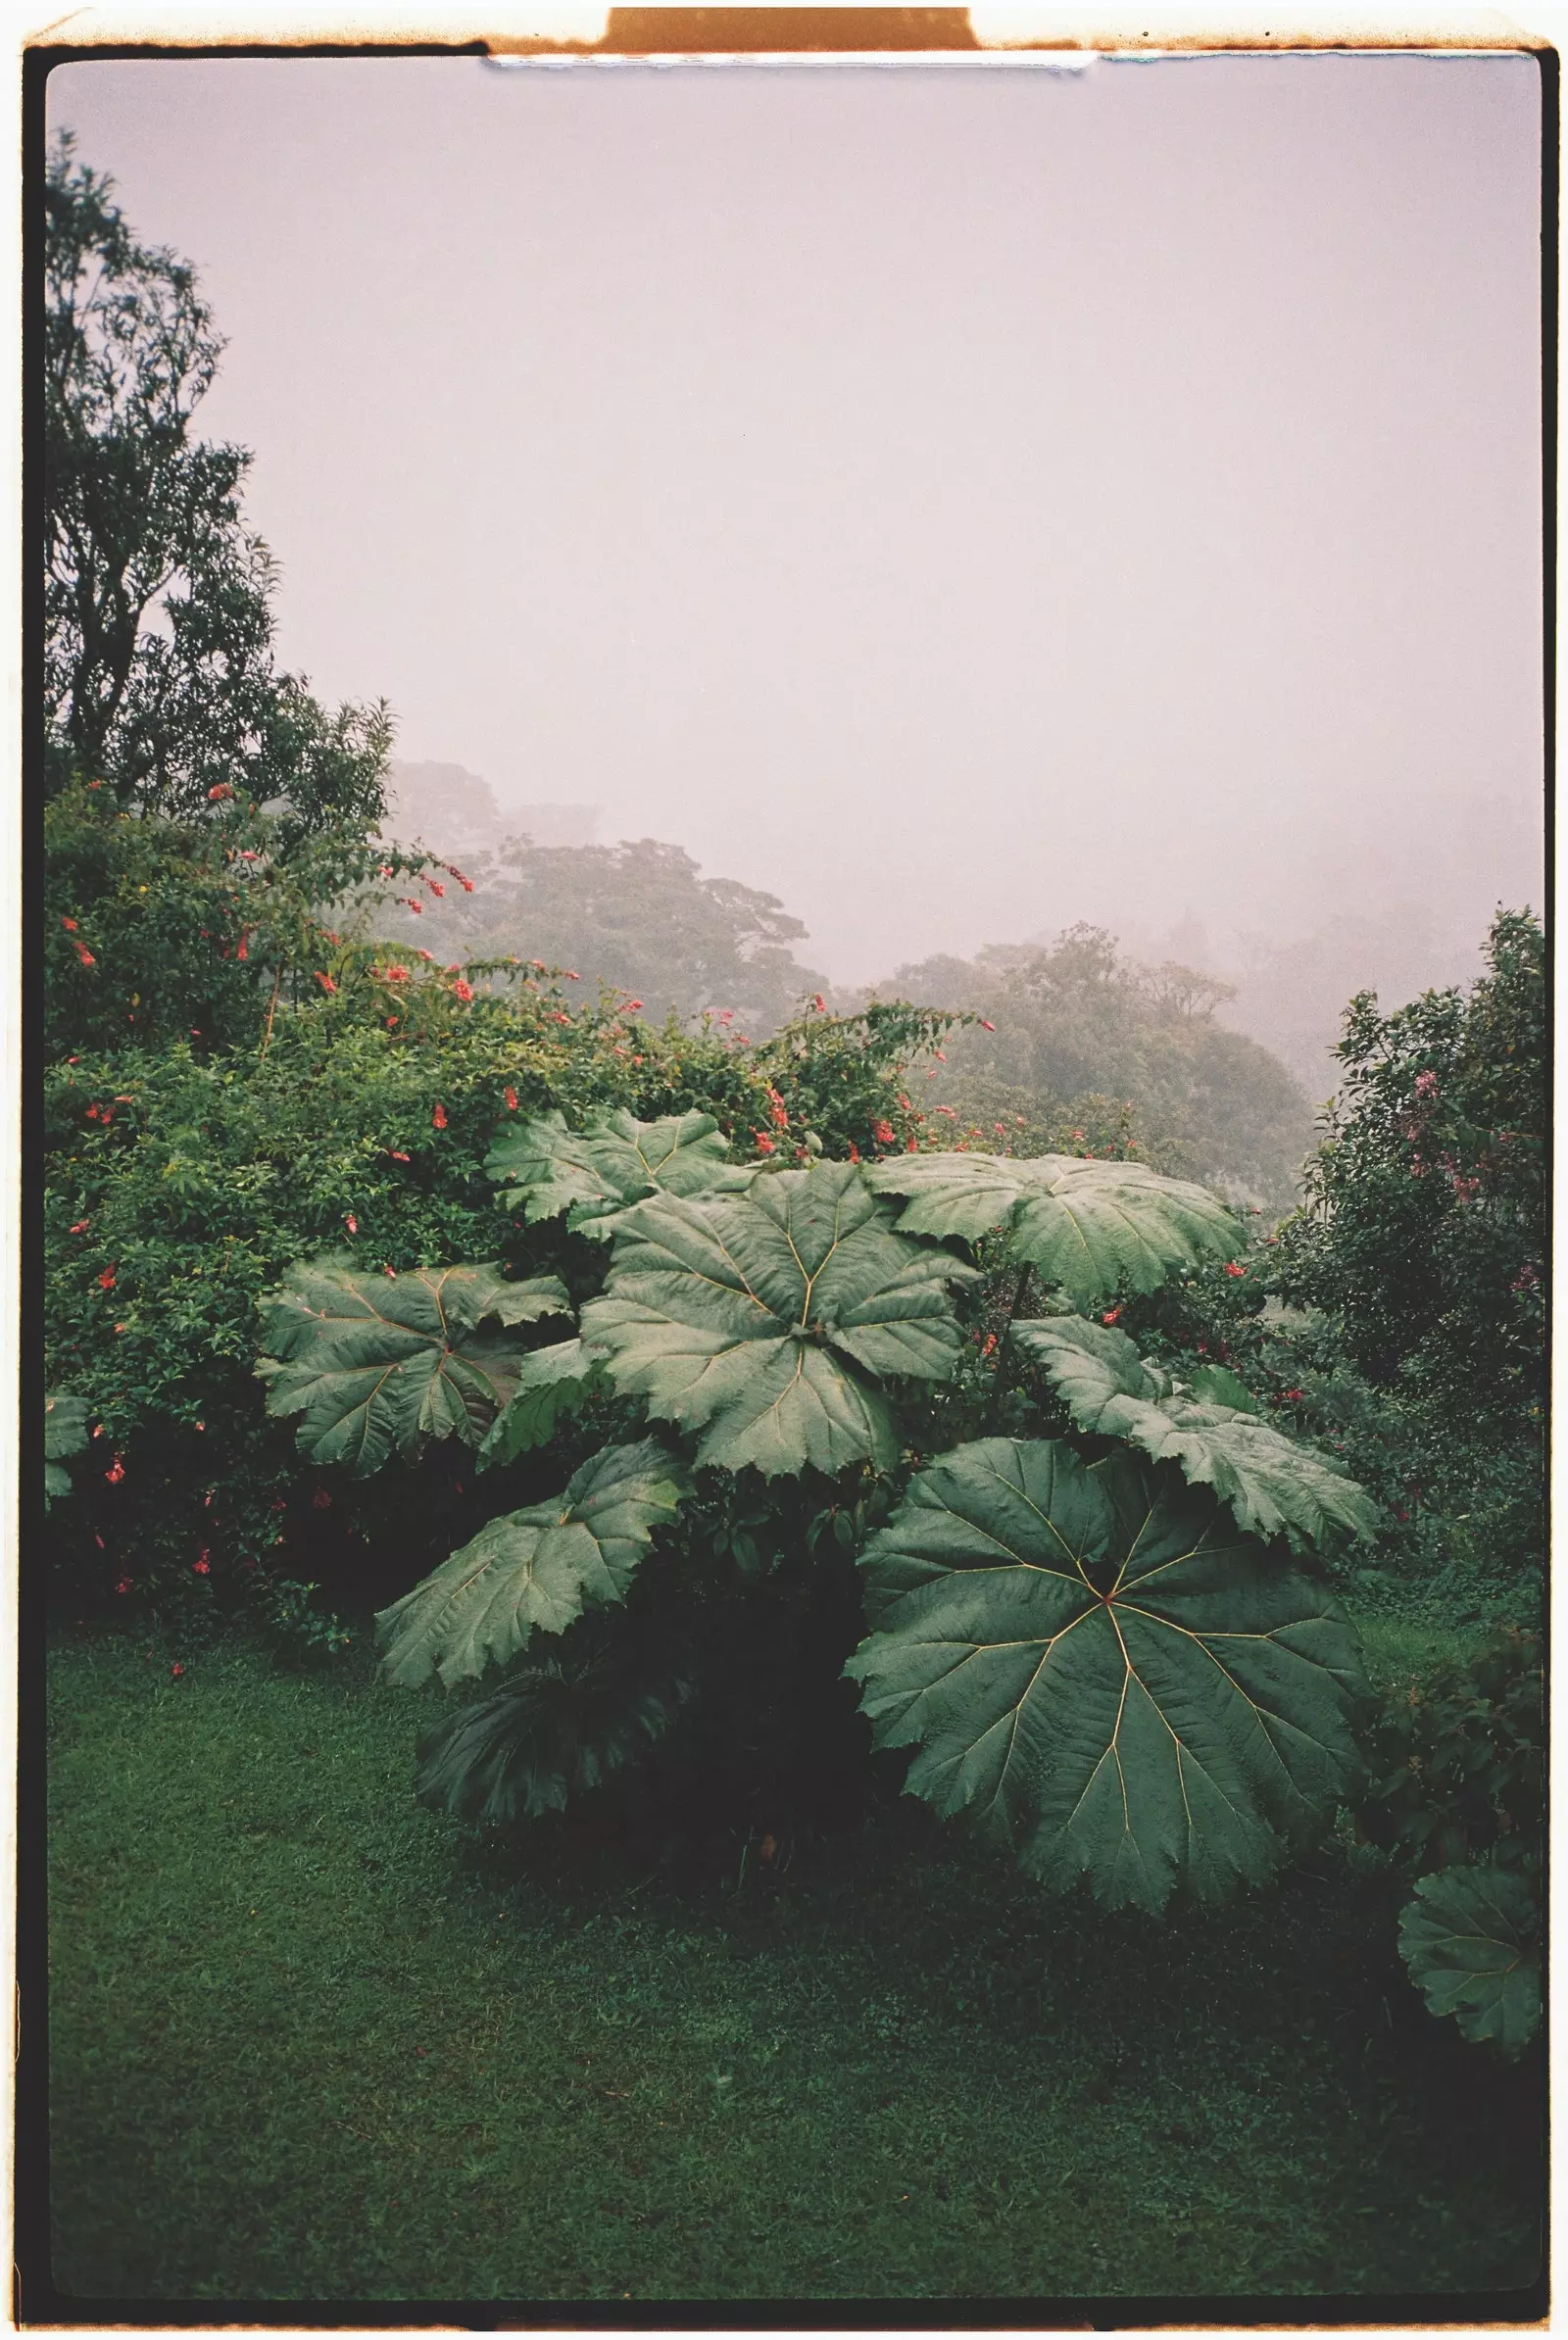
(1086,1598)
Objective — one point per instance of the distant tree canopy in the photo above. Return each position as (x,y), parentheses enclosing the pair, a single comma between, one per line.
(160,673)
(638,916)
(1087,1038)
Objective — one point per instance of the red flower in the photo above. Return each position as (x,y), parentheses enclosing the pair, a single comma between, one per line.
(125,1582)
(320,1500)
(988,1346)
(438,1119)
(1111,1316)
(80,1227)
(819,1004)
(726,1015)
(115,1472)
(388,1271)
(882,1133)
(911,1145)
(765,1144)
(426,955)
(466,883)
(511,1100)
(85,956)
(435,886)
(351,1222)
(855,1151)
(417,908)
(571,974)
(1293,1397)
(216,796)
(243,949)
(631,1007)
(70,925)
(395,1156)
(463,991)
(986,1024)
(107,1280)
(325,981)
(175,1671)
(558,1018)
(202,1567)
(1234,1267)
(201,1426)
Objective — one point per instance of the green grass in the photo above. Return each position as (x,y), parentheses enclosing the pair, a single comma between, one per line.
(310,2043)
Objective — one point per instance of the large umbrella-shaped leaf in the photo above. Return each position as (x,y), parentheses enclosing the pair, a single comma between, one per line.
(533,1569)
(1099,1668)
(374,1362)
(1089,1228)
(767,1320)
(65,1433)
(550,1384)
(1276,1485)
(1471,1940)
(559,1726)
(596,1173)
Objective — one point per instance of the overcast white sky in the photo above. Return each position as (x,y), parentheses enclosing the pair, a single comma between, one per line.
(957,501)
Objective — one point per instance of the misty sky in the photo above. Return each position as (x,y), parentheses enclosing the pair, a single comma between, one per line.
(958,503)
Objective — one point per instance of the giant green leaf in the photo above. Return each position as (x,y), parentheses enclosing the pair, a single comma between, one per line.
(550,1384)
(1103,1673)
(595,1174)
(374,1362)
(65,1433)
(533,1569)
(557,1727)
(1089,1228)
(766,1321)
(1276,1485)
(1471,1940)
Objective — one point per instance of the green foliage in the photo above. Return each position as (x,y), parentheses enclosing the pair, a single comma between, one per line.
(549,1384)
(64,1434)
(537,1568)
(1088,1228)
(1276,1485)
(1070,1042)
(595,1174)
(374,1362)
(768,1321)
(159,675)
(558,1728)
(1422,1231)
(1471,1940)
(1102,1674)
(1456,1759)
(636,917)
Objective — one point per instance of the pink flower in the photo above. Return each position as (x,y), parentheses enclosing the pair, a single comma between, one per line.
(765,1144)
(571,975)
(125,1582)
(819,1004)
(1426,1084)
(417,908)
(726,1015)
(463,991)
(435,886)
(351,1223)
(396,975)
(986,1024)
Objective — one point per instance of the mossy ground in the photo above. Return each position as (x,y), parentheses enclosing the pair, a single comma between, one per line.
(310,2043)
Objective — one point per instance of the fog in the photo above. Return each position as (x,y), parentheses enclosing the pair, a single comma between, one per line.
(958,503)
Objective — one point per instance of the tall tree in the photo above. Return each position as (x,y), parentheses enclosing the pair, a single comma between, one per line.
(160,676)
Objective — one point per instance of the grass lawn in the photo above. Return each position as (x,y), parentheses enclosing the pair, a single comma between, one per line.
(310,2043)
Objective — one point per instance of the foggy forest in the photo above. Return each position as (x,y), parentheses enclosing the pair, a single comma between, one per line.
(793,1124)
